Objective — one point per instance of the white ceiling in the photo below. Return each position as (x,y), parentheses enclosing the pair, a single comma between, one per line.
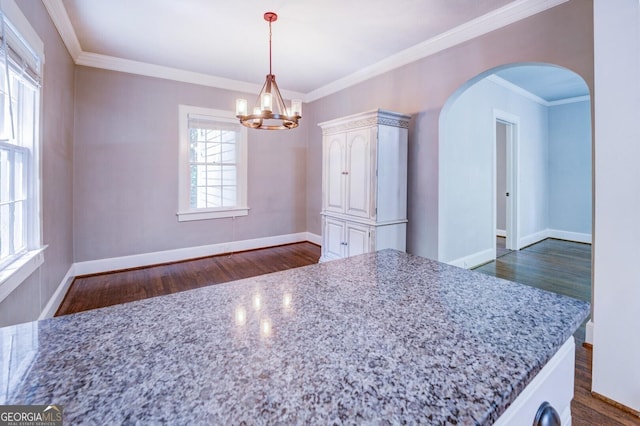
(318,45)
(549,83)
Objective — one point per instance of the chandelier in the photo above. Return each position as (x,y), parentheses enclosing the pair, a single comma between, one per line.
(269,112)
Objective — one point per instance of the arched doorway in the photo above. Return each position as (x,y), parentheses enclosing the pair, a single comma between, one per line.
(545,111)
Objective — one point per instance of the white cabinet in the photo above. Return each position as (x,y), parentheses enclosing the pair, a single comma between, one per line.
(342,238)
(348,173)
(364,183)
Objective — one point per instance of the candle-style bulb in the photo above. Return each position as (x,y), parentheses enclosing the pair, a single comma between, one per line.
(296,107)
(241,107)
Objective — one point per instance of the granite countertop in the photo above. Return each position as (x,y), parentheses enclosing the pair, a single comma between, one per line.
(384,337)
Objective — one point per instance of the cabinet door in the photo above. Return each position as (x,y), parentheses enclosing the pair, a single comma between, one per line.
(333,246)
(357,239)
(335,173)
(358,186)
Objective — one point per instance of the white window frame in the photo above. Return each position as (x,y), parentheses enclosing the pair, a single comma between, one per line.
(15,272)
(185,212)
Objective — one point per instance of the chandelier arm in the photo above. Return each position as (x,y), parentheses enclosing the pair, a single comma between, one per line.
(259,99)
(282,108)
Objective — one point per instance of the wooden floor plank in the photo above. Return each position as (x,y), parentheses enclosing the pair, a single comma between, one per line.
(96,291)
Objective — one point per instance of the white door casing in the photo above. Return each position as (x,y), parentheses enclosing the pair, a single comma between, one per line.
(513,123)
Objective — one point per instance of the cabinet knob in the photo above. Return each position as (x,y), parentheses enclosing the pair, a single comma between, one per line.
(546,416)
(345,173)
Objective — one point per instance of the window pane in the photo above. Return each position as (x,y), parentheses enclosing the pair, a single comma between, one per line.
(201,152)
(193,135)
(18,227)
(193,153)
(213,153)
(229,175)
(229,196)
(212,162)
(214,175)
(212,135)
(228,136)
(5,124)
(228,153)
(214,197)
(13,113)
(193,194)
(18,173)
(5,242)
(201,201)
(27,116)
(5,176)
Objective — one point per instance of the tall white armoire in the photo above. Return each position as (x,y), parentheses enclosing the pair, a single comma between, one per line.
(364,183)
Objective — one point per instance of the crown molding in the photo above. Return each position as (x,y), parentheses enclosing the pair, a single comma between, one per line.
(491,21)
(484,24)
(517,89)
(61,20)
(573,100)
(535,98)
(112,63)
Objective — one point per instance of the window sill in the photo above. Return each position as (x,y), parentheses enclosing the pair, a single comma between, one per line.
(14,274)
(211,214)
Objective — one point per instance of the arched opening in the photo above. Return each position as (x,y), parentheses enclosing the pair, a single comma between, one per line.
(543,113)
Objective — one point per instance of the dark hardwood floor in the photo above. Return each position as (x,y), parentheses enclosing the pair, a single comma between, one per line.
(97,291)
(554,265)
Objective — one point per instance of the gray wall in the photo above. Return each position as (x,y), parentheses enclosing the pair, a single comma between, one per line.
(553,173)
(126,170)
(466,146)
(28,300)
(562,35)
(570,147)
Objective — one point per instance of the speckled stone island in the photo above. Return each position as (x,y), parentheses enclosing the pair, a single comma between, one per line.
(384,337)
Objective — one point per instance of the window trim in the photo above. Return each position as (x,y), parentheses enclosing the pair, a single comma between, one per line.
(24,264)
(19,270)
(185,212)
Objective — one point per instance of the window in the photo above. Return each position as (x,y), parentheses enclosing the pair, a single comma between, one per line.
(21,55)
(213,165)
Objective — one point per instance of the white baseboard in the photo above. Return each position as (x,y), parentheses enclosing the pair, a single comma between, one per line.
(488,255)
(475,259)
(314,238)
(532,238)
(588,338)
(55,300)
(554,233)
(570,236)
(154,258)
(501,232)
(565,417)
